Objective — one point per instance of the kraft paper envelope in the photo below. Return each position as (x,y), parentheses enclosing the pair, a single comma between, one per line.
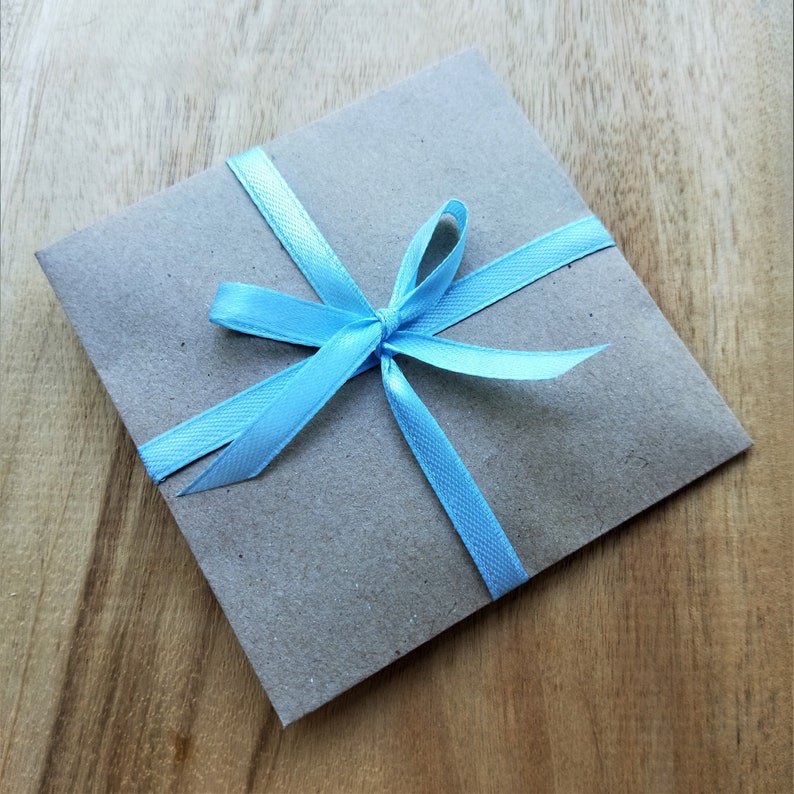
(339,558)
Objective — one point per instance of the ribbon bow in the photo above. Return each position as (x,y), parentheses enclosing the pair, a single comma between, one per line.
(353,337)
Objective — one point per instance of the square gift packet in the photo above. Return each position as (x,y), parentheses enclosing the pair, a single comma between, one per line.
(339,557)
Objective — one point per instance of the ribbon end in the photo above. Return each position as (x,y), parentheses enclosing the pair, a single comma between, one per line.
(498,589)
(576,357)
(193,487)
(598,349)
(207,480)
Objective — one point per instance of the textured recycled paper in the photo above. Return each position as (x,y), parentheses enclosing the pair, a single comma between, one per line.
(338,559)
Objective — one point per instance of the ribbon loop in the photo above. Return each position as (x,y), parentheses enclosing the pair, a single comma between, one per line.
(273,315)
(352,338)
(409,267)
(415,299)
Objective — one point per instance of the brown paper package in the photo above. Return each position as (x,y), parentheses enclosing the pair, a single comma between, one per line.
(338,559)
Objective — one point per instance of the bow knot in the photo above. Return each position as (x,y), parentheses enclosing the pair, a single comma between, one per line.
(259,422)
(390,319)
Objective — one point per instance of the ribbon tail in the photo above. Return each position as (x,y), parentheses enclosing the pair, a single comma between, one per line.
(217,426)
(292,407)
(486,362)
(211,429)
(480,531)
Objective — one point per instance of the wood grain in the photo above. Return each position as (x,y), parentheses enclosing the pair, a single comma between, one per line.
(658,659)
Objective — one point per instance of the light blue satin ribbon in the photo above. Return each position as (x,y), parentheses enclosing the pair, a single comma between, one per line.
(353,337)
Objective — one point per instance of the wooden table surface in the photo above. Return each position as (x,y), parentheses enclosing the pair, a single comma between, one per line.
(657,659)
